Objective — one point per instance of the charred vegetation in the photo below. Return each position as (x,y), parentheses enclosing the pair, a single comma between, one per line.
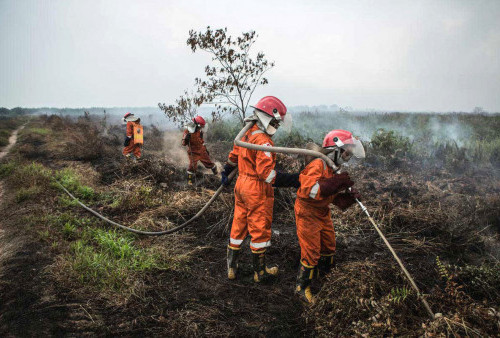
(440,211)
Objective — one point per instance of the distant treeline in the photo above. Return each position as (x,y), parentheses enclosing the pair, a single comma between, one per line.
(80,111)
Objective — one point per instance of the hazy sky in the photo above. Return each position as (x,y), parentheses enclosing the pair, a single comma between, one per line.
(394,55)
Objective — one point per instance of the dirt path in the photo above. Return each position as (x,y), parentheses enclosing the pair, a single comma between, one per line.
(12,141)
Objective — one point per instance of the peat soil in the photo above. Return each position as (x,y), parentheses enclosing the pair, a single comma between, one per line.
(200,300)
(197,301)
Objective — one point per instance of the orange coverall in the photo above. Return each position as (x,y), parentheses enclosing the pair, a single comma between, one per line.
(253,193)
(133,147)
(196,150)
(312,215)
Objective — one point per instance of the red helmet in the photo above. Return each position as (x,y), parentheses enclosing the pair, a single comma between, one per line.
(199,120)
(343,139)
(337,137)
(271,105)
(127,115)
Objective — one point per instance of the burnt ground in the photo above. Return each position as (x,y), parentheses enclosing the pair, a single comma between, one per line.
(196,301)
(33,303)
(40,296)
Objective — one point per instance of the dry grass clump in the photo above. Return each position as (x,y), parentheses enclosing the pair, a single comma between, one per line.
(372,299)
(86,143)
(356,299)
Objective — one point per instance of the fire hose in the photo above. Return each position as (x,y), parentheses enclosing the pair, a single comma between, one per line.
(272,149)
(251,146)
(152,233)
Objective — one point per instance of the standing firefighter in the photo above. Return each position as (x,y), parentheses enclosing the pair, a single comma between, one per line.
(134,139)
(197,151)
(319,187)
(253,193)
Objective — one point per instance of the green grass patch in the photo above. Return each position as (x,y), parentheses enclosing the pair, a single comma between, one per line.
(6,169)
(39,131)
(24,194)
(108,259)
(66,201)
(70,180)
(69,230)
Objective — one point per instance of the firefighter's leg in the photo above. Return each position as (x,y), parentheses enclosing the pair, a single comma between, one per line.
(327,252)
(303,286)
(128,150)
(232,261)
(308,233)
(207,162)
(259,226)
(191,171)
(238,233)
(137,151)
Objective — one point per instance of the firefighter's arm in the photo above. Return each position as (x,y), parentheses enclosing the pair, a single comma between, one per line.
(264,165)
(309,177)
(186,137)
(335,184)
(232,159)
(231,164)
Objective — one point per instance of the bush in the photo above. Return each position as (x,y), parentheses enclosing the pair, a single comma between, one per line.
(389,143)
(223,131)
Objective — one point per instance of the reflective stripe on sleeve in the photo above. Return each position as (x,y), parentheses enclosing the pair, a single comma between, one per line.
(235,241)
(272,175)
(260,245)
(314,191)
(258,131)
(232,163)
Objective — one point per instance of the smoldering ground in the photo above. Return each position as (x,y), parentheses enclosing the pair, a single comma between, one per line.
(177,285)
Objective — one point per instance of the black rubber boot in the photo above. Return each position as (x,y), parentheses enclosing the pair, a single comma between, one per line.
(261,270)
(303,286)
(325,264)
(214,170)
(232,262)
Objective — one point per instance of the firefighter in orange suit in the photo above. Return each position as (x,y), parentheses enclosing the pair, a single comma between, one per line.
(197,151)
(253,193)
(319,187)
(134,138)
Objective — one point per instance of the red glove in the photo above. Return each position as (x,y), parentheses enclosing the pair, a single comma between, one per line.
(346,199)
(333,185)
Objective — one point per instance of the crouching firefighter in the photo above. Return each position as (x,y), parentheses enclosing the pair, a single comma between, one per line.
(197,151)
(134,138)
(253,193)
(319,187)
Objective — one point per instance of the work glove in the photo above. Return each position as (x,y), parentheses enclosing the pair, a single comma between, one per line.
(346,199)
(284,180)
(333,185)
(127,141)
(225,173)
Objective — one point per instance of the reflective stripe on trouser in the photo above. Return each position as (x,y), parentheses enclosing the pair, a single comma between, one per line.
(253,213)
(201,156)
(132,148)
(315,232)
